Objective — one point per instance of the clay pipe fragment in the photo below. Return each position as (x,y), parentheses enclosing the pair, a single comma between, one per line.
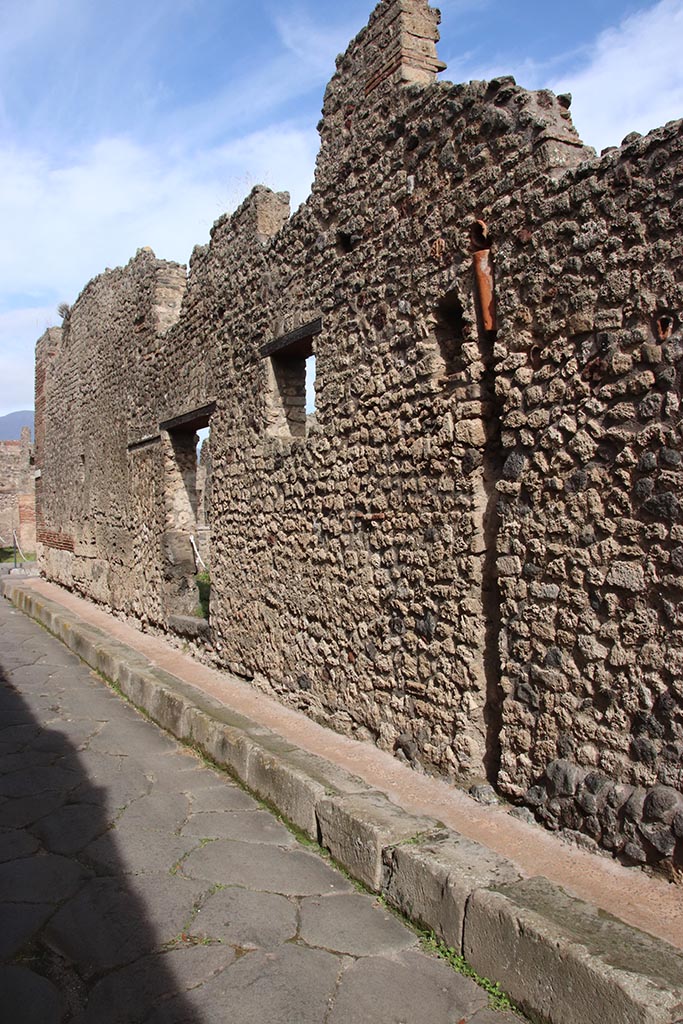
(665,326)
(483,274)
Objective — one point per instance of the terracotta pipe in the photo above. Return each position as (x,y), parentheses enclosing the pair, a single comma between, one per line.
(483,273)
(665,326)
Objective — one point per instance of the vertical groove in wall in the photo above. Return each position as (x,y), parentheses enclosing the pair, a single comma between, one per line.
(490,591)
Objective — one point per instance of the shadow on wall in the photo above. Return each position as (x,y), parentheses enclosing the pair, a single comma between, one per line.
(83,940)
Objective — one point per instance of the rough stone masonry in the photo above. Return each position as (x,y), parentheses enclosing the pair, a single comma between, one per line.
(17,493)
(471,552)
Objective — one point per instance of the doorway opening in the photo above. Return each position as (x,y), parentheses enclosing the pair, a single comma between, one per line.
(186,539)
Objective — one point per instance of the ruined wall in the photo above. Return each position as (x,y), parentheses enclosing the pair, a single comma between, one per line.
(17,492)
(101,510)
(469,552)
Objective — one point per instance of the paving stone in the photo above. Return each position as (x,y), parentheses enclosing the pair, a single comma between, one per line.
(141,739)
(18,813)
(134,850)
(97,700)
(164,811)
(78,732)
(16,737)
(28,998)
(20,924)
(51,779)
(96,704)
(12,714)
(55,743)
(44,707)
(11,660)
(180,771)
(410,988)
(127,996)
(352,924)
(106,783)
(257,970)
(7,749)
(72,827)
(58,656)
(224,797)
(291,872)
(242,918)
(24,759)
(99,767)
(289,986)
(257,826)
(178,764)
(28,675)
(111,922)
(16,843)
(48,879)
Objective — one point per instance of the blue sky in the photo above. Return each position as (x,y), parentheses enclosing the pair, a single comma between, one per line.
(125,124)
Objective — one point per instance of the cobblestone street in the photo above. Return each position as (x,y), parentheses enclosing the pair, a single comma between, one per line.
(138,885)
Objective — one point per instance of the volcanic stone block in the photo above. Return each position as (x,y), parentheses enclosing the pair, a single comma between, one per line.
(357,828)
(564,960)
(431,880)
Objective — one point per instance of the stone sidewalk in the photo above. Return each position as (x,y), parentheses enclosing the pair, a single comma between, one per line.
(138,885)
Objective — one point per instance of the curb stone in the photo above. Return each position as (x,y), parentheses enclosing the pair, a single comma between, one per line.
(530,933)
(431,880)
(561,959)
(357,829)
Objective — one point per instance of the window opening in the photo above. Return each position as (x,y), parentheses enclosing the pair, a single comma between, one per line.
(449,331)
(310,386)
(203,536)
(290,395)
(346,243)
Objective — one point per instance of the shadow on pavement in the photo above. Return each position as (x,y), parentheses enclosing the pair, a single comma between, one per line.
(81,941)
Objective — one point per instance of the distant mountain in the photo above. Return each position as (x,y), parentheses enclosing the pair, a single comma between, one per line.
(11,424)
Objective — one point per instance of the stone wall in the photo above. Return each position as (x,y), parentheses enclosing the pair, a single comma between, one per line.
(469,553)
(17,493)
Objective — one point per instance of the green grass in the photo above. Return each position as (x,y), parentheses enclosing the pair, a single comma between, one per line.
(497,998)
(203,581)
(7,555)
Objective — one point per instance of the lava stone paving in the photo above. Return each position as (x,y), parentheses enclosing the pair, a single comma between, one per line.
(138,886)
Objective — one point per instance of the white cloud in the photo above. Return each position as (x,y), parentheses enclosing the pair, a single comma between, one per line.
(19,331)
(633,80)
(72,209)
(314,44)
(302,64)
(65,221)
(629,79)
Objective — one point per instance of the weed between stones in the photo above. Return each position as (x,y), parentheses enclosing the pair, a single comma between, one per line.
(497,998)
